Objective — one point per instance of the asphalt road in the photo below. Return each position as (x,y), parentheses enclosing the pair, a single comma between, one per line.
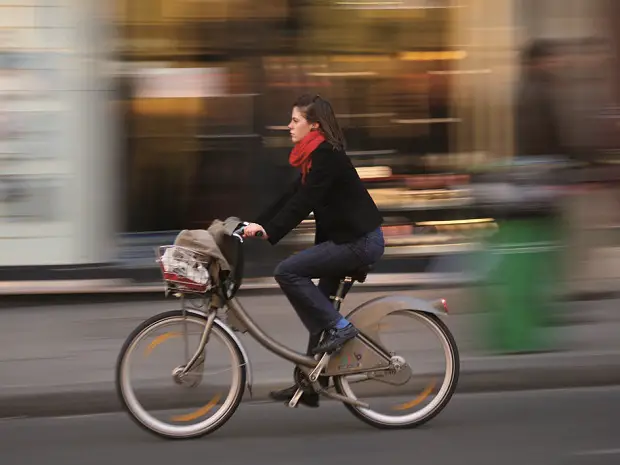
(561,427)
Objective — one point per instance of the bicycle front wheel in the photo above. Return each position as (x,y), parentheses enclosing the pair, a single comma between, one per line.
(171,405)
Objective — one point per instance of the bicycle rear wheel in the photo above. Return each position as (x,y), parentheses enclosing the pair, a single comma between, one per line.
(420,390)
(174,407)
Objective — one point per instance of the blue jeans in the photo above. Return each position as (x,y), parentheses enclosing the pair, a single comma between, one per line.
(330,262)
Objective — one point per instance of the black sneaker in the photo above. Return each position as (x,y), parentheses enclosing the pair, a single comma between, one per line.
(308,398)
(335,339)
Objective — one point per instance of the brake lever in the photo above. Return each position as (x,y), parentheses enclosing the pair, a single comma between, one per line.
(239,233)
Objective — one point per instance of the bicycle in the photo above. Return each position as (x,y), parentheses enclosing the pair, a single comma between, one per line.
(365,356)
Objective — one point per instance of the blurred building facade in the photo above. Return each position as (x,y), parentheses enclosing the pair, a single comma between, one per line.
(165,115)
(57,180)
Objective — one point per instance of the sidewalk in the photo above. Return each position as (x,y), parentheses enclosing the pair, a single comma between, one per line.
(38,292)
(129,286)
(60,360)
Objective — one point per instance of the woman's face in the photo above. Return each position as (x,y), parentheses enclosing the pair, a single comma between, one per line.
(299,127)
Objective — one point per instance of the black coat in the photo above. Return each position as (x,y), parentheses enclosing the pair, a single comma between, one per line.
(343,209)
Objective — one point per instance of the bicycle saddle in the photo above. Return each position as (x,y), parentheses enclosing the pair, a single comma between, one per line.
(360,274)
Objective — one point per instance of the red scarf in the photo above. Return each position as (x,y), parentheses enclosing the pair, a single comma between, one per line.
(300,156)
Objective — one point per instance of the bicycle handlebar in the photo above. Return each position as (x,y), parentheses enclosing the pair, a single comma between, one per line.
(238,233)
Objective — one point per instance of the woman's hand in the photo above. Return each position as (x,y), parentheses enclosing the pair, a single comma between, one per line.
(252,229)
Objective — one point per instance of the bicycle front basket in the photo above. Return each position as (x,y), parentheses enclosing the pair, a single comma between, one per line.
(184,269)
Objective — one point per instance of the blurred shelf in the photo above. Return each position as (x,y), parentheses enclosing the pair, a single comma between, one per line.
(426,250)
(371,153)
(408,245)
(404,250)
(427,205)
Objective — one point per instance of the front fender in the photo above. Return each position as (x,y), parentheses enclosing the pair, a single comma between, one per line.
(369,313)
(246,359)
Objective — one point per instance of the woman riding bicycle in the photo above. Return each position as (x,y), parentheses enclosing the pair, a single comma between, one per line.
(348,228)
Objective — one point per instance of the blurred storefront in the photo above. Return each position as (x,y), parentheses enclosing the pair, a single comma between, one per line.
(221,148)
(57,176)
(186,122)
(424,89)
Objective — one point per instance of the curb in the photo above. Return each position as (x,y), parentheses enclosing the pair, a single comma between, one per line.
(35,293)
(103,399)
(128,286)
(114,290)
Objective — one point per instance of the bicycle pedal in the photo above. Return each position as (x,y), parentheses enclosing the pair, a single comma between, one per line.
(335,351)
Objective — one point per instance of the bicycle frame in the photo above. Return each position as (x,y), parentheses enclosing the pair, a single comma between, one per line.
(245,322)
(362,355)
(364,317)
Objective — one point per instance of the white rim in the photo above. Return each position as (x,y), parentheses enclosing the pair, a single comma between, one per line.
(420,414)
(165,428)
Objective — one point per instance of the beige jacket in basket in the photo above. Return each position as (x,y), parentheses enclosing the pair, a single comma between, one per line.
(211,243)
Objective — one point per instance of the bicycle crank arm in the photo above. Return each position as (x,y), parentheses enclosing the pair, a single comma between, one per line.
(336,396)
(314,374)
(293,402)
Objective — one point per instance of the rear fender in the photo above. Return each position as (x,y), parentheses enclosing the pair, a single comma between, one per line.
(358,355)
(369,313)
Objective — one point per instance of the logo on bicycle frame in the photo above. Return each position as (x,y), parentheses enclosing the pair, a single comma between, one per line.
(348,362)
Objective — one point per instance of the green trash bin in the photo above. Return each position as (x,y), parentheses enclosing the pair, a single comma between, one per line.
(522,262)
(520,285)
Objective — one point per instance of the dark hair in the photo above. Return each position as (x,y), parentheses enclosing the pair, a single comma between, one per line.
(318,110)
